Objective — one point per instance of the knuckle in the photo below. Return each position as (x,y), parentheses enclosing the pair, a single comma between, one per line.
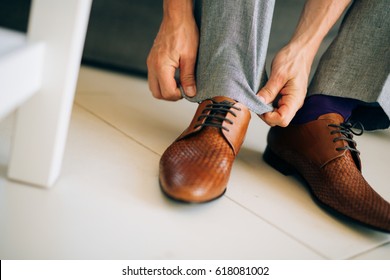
(268,92)
(187,80)
(284,122)
(148,59)
(159,62)
(170,96)
(151,88)
(149,65)
(279,76)
(156,94)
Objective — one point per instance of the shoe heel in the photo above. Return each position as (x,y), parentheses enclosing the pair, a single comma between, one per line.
(279,164)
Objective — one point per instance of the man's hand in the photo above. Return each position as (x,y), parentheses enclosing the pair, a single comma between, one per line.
(289,78)
(291,66)
(175,47)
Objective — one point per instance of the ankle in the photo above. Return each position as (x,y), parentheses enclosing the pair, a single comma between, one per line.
(318,105)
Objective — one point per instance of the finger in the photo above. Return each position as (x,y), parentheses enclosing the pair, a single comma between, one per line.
(282,115)
(153,85)
(152,77)
(187,76)
(271,89)
(168,86)
(264,120)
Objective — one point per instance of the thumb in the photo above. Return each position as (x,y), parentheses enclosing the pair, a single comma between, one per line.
(187,77)
(268,93)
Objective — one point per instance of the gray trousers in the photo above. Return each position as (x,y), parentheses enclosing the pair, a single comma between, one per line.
(234,37)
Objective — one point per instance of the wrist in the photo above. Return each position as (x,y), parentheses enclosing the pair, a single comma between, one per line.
(317,18)
(294,51)
(307,47)
(176,10)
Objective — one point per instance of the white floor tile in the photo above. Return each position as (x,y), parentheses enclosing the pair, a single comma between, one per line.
(126,103)
(107,205)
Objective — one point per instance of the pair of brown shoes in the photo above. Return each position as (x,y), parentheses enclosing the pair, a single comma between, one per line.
(196,167)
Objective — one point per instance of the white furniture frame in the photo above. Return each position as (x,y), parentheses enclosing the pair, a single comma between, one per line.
(38,75)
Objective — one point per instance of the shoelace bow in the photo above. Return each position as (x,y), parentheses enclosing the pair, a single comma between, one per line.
(347,131)
(215,114)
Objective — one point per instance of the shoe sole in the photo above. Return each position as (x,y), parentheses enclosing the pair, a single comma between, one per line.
(187,201)
(288,170)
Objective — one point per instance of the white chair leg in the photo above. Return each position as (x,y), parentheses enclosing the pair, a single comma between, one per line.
(42,122)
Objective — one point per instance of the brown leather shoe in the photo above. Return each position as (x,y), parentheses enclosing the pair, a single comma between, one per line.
(196,167)
(324,154)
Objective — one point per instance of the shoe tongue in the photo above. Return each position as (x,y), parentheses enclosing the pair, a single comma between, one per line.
(335,117)
(218,113)
(338,119)
(219,99)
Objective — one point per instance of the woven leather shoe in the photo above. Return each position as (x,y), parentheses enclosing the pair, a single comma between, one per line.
(325,155)
(196,167)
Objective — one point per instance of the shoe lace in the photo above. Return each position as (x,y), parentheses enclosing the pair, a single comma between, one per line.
(215,114)
(347,130)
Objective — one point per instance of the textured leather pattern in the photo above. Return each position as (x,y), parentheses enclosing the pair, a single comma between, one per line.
(338,183)
(197,166)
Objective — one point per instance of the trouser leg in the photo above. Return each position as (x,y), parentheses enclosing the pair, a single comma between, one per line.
(234,37)
(357,63)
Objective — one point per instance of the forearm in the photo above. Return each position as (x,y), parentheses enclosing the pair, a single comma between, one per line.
(317,18)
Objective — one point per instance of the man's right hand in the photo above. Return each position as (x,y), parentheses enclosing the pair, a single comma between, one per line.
(175,47)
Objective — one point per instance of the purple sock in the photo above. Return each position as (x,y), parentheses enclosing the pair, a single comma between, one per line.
(318,105)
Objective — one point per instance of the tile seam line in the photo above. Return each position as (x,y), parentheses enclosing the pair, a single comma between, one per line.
(279,228)
(370,250)
(116,128)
